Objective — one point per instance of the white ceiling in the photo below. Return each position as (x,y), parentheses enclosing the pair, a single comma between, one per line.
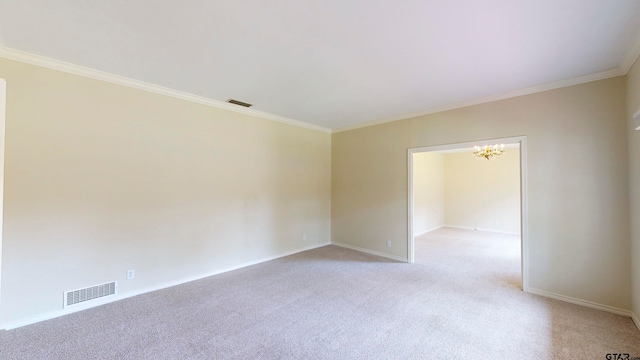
(326,62)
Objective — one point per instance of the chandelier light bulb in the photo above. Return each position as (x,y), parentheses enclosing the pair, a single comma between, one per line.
(488,152)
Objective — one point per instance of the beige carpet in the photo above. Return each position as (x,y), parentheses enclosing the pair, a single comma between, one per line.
(460,300)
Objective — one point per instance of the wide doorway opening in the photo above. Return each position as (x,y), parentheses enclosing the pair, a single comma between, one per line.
(467,208)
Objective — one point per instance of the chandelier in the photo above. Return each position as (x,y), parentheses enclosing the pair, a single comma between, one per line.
(488,152)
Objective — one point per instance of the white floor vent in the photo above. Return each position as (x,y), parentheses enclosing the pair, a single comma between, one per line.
(93,292)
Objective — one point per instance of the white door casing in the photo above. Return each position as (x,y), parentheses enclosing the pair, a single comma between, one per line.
(3,106)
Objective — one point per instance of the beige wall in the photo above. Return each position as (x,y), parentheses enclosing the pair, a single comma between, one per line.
(483,194)
(428,192)
(577,176)
(633,104)
(102,178)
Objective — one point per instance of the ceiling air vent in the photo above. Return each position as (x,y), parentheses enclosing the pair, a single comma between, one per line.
(236,102)
(93,292)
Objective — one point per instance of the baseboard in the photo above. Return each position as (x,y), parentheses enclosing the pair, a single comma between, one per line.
(118,297)
(481,229)
(428,231)
(585,303)
(635,320)
(372,252)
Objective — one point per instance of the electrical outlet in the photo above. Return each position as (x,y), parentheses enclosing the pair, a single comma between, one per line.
(130,274)
(388,243)
(304,237)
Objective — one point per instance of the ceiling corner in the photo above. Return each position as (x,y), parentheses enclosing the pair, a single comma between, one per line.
(632,55)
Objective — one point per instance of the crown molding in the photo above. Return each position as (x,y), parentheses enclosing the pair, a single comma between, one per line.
(632,55)
(486,99)
(21,56)
(53,64)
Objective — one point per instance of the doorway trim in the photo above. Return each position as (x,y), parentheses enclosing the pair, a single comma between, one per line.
(524,228)
(3,106)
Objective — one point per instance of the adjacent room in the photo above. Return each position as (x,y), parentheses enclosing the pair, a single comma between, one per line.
(299,180)
(468,201)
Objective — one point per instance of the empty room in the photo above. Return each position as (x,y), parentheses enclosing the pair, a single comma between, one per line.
(465,206)
(237,180)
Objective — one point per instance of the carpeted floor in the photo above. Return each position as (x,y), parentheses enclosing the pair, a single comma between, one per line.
(461,299)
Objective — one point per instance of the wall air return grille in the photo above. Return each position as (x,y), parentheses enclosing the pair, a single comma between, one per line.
(94,292)
(236,102)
